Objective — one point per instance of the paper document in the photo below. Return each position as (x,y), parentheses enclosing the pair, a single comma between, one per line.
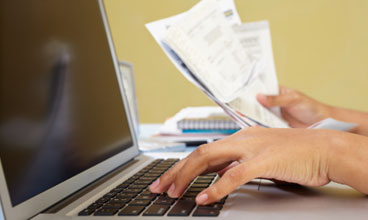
(159,28)
(333,124)
(255,38)
(206,43)
(226,70)
(247,104)
(230,62)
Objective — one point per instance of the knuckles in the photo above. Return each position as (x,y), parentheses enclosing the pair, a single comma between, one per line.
(202,151)
(235,175)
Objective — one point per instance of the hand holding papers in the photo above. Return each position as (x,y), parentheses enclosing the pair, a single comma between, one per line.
(230,62)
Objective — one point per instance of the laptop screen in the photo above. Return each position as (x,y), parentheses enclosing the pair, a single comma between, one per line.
(61,111)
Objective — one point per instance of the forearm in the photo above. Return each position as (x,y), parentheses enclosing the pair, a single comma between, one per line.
(348,161)
(357,117)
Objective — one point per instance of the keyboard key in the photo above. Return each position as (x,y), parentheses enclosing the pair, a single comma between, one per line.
(86,212)
(134,178)
(205,177)
(190,194)
(119,201)
(199,185)
(202,181)
(165,196)
(127,182)
(151,175)
(117,190)
(188,198)
(147,192)
(156,210)
(162,167)
(182,208)
(173,160)
(140,202)
(147,178)
(195,189)
(222,201)
(134,186)
(94,206)
(102,200)
(109,195)
(123,185)
(164,201)
(145,197)
(211,206)
(206,212)
(140,173)
(132,191)
(125,195)
(113,205)
(106,212)
(143,182)
(131,210)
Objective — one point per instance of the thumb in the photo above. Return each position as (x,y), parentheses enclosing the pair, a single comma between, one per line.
(281,100)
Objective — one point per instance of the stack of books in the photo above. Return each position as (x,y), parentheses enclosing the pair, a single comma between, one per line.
(215,123)
(203,121)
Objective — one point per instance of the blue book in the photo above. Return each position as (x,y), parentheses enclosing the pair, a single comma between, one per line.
(220,131)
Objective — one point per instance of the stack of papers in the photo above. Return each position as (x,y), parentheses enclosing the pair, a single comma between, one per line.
(229,61)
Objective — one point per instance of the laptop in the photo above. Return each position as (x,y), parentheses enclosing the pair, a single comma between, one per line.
(68,149)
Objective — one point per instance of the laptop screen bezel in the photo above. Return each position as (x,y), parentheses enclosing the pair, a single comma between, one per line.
(36,204)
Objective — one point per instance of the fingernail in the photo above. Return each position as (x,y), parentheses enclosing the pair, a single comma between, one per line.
(155,184)
(201,199)
(171,190)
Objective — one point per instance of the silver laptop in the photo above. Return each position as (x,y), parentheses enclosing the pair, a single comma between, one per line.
(68,149)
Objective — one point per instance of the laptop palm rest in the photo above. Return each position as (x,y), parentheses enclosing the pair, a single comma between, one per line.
(285,201)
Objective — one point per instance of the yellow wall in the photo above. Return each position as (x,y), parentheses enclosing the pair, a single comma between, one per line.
(320,48)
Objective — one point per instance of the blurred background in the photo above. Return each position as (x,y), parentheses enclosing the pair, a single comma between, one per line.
(320,48)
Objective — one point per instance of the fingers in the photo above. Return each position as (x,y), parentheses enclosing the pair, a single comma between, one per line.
(207,158)
(217,167)
(163,183)
(233,164)
(282,100)
(293,121)
(285,98)
(233,178)
(204,158)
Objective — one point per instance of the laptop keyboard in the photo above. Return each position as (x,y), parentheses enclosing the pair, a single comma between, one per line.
(133,198)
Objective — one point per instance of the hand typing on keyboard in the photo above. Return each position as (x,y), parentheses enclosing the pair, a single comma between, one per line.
(132,198)
(302,156)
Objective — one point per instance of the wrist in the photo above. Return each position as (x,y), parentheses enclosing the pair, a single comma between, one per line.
(337,149)
(328,111)
(346,160)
